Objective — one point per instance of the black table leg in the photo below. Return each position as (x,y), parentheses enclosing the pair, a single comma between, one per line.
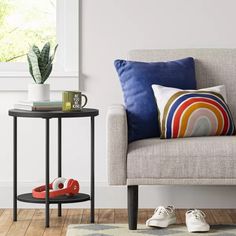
(92,171)
(47,174)
(15,168)
(59,158)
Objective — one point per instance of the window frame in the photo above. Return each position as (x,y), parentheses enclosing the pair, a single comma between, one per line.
(65,75)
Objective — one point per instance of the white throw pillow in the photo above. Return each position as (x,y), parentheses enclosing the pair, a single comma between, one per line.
(187,113)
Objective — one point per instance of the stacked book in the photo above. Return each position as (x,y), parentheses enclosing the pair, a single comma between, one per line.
(39,106)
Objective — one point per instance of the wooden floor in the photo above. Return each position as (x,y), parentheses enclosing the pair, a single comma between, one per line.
(31,222)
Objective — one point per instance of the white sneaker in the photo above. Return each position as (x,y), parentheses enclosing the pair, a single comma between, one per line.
(162,217)
(195,221)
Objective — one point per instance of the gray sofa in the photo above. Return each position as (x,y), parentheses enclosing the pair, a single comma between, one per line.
(188,161)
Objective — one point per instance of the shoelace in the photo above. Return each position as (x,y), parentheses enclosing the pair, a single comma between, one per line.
(197,213)
(161,210)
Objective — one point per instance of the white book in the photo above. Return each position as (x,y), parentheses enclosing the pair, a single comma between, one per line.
(37,108)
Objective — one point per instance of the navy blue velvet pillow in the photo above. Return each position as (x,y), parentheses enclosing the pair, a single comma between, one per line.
(136,79)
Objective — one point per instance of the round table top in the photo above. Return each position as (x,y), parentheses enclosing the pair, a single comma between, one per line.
(85,112)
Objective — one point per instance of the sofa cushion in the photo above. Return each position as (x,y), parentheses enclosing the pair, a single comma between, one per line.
(136,79)
(199,157)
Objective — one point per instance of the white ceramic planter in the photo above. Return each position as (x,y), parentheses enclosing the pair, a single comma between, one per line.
(39,92)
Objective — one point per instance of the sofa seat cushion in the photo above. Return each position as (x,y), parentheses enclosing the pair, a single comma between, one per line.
(199,157)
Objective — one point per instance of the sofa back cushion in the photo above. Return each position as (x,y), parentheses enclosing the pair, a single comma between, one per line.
(137,78)
(213,67)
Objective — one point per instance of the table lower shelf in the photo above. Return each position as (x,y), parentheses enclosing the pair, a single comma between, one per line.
(80,197)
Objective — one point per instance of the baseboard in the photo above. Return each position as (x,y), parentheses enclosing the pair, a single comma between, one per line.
(149,196)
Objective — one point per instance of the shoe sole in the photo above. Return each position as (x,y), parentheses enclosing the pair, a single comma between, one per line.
(161,224)
(198,229)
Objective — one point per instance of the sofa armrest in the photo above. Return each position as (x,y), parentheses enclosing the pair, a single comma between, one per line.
(117,143)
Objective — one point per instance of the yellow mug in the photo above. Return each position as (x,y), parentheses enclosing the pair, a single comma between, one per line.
(72,101)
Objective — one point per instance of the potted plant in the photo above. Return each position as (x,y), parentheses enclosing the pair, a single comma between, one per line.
(40,68)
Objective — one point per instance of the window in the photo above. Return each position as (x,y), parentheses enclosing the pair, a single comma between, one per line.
(23,22)
(27,22)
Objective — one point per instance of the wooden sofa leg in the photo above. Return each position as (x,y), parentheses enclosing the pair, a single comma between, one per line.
(133,206)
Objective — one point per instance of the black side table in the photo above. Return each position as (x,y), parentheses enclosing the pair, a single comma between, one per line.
(86,112)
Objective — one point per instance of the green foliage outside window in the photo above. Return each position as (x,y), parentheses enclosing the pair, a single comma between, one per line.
(24,23)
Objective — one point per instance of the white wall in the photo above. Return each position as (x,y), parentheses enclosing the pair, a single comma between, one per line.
(109,29)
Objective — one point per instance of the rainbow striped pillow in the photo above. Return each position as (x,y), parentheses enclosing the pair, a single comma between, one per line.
(193,113)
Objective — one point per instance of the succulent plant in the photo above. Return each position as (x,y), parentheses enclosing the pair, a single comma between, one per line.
(40,62)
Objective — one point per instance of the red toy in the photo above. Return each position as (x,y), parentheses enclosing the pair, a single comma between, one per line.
(60,186)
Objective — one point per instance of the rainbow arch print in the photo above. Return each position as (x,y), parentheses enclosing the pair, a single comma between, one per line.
(192,114)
